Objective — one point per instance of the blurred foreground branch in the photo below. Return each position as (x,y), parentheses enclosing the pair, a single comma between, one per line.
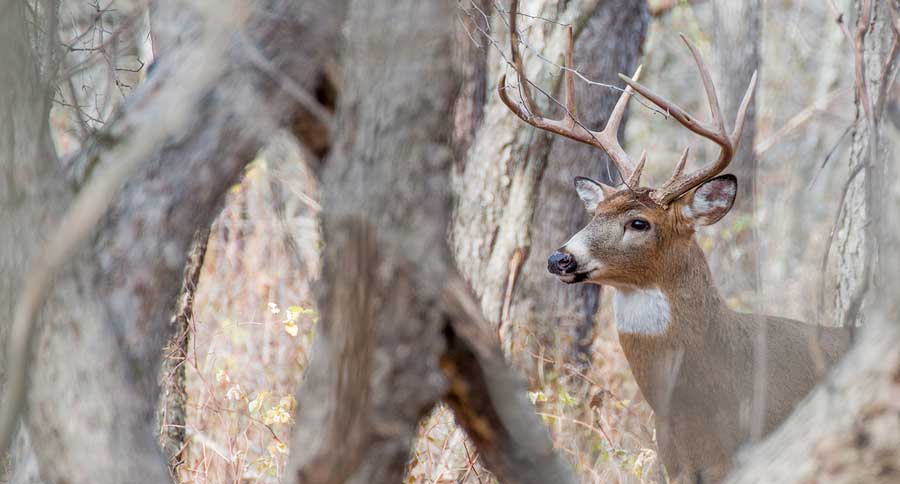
(187,134)
(400,331)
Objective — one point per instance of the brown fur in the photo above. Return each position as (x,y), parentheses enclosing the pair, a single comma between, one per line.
(699,375)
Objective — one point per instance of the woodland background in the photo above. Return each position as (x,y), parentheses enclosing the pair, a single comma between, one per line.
(234,123)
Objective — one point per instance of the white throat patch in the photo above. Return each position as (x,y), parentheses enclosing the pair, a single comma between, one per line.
(641,311)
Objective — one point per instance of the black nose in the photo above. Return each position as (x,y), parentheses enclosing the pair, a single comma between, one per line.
(560,263)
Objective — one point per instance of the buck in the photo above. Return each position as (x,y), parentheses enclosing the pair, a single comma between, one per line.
(705,370)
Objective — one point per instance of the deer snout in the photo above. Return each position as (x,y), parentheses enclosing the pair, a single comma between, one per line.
(561,263)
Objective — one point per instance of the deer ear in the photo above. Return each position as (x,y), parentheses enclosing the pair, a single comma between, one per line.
(591,192)
(711,200)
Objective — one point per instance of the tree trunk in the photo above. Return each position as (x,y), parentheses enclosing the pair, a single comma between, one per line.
(498,186)
(30,196)
(190,129)
(374,370)
(399,329)
(736,37)
(860,227)
(171,413)
(847,431)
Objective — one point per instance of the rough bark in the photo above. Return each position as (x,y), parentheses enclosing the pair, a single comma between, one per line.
(488,399)
(195,123)
(859,230)
(30,196)
(399,329)
(541,307)
(171,413)
(374,370)
(736,37)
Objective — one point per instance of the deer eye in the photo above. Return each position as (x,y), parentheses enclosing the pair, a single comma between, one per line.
(638,224)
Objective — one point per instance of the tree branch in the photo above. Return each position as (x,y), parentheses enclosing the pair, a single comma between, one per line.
(489,399)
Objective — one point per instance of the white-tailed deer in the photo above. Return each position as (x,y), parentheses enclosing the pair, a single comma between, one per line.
(697,362)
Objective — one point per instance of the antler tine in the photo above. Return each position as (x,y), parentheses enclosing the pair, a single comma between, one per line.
(742,113)
(634,180)
(711,97)
(569,126)
(618,112)
(679,168)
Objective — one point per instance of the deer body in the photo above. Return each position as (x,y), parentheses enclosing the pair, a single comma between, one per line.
(698,373)
(714,377)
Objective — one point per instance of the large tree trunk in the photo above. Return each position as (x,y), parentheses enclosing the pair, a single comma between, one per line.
(861,223)
(499,196)
(189,129)
(399,329)
(736,36)
(30,196)
(374,369)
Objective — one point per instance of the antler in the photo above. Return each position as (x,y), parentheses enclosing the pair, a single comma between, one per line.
(679,183)
(569,126)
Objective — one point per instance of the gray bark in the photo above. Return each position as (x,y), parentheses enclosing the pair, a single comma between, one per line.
(28,191)
(860,229)
(736,36)
(195,123)
(496,187)
(847,431)
(171,413)
(399,329)
(374,370)
(609,43)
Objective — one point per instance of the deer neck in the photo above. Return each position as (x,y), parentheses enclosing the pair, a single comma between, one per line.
(685,300)
(659,326)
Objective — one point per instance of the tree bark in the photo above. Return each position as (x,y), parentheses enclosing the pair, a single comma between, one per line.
(847,431)
(736,36)
(399,328)
(30,196)
(171,413)
(199,118)
(499,196)
(859,231)
(374,370)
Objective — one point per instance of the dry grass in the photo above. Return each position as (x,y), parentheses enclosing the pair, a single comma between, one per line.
(253,328)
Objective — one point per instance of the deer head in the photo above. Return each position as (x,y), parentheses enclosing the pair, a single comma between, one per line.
(637,235)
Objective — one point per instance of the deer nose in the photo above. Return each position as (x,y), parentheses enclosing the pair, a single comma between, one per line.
(560,263)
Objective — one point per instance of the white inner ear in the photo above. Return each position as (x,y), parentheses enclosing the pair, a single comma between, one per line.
(591,193)
(710,201)
(641,311)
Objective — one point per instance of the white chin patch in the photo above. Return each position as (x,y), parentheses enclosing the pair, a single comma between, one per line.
(641,311)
